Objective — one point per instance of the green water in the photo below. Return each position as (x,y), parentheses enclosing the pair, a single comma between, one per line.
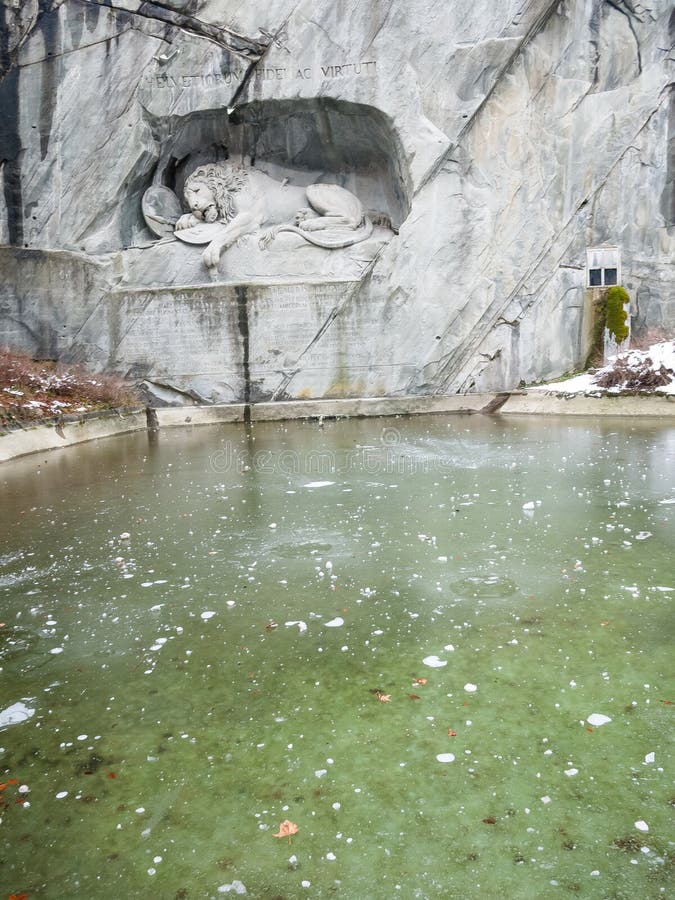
(176,726)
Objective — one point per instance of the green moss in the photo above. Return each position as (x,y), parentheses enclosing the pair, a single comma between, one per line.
(616,316)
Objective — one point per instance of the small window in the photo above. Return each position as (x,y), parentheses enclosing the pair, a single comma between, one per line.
(603,266)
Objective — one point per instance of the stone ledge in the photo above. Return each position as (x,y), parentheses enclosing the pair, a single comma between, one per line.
(314,409)
(630,406)
(39,438)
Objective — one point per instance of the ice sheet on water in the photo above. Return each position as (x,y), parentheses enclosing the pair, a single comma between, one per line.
(434,662)
(237,887)
(335,623)
(598,719)
(16,713)
(302,626)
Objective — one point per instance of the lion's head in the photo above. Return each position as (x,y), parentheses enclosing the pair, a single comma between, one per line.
(209,191)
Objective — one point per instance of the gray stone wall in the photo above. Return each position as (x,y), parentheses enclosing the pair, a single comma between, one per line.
(498,141)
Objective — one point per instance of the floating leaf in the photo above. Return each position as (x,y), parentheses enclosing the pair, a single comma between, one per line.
(286,829)
(112,775)
(6,784)
(383,698)
(414,696)
(421,681)
(451,733)
(18,896)
(489,821)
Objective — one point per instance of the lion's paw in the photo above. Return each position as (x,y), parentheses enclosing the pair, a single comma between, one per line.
(186,221)
(211,256)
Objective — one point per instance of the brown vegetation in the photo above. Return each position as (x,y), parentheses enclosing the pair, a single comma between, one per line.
(33,390)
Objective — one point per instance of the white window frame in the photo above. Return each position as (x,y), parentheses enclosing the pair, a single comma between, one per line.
(601,259)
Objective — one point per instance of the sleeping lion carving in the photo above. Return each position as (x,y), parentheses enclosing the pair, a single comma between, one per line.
(227,202)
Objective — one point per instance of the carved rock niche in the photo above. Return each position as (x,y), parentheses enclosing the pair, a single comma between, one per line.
(288,190)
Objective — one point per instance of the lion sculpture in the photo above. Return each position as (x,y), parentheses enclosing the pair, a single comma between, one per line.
(234,201)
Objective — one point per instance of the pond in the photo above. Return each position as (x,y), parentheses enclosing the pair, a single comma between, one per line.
(439,646)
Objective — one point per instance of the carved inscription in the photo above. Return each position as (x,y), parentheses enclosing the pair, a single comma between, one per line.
(209,80)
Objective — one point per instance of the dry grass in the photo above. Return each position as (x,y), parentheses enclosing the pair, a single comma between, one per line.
(31,391)
(635,376)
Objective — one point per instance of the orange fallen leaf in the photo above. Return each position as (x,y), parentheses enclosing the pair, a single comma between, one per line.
(19,896)
(451,733)
(112,775)
(667,702)
(605,622)
(287,828)
(383,698)
(414,696)
(490,821)
(419,681)
(6,784)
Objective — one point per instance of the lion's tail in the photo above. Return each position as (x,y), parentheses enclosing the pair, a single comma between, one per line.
(354,237)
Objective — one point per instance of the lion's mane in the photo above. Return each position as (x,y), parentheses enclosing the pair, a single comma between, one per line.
(223,181)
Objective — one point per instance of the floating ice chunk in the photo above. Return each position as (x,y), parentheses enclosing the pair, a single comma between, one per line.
(449,648)
(208,614)
(273,525)
(320,772)
(445,757)
(335,623)
(331,856)
(337,806)
(230,603)
(643,535)
(546,800)
(15,714)
(664,589)
(529,504)
(56,650)
(641,825)
(125,536)
(237,887)
(434,662)
(470,688)
(318,484)
(306,884)
(442,558)
(650,758)
(571,772)
(302,626)
(598,719)
(61,795)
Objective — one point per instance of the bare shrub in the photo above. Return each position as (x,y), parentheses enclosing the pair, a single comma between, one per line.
(635,376)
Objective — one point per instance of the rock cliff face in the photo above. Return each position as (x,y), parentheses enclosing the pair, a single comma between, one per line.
(491,144)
